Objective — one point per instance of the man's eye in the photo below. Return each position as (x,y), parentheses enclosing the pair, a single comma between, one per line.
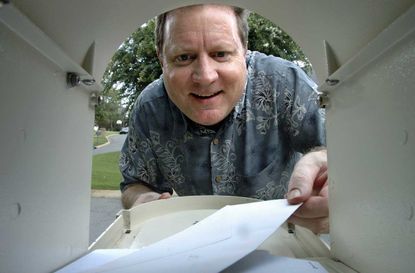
(221,55)
(183,58)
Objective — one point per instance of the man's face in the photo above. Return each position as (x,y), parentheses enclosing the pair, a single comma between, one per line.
(203,62)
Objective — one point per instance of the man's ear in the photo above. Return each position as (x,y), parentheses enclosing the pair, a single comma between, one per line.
(160,58)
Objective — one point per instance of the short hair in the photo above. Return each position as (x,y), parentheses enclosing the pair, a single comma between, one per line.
(241,16)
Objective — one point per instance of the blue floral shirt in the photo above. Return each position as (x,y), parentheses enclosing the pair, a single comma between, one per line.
(251,153)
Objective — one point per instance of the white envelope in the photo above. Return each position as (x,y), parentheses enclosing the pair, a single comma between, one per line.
(210,245)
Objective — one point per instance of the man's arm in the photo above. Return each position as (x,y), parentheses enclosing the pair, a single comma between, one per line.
(309,184)
(136,194)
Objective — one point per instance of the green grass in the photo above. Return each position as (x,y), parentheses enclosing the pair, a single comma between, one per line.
(101,139)
(105,172)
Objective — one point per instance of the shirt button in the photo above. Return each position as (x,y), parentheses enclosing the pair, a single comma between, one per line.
(218,178)
(216,141)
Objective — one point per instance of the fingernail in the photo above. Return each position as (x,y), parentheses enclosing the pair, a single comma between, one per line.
(294,193)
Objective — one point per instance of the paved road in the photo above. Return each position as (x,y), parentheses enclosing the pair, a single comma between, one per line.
(116,142)
(104,209)
(103,212)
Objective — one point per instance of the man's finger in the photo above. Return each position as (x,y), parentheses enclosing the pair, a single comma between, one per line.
(317,225)
(165,195)
(301,183)
(305,172)
(314,207)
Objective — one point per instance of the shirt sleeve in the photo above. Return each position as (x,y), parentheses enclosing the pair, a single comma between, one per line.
(138,163)
(304,120)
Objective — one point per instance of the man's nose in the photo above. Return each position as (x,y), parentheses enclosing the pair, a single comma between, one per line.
(205,70)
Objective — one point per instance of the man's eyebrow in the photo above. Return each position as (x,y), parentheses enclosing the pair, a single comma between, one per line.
(179,50)
(186,47)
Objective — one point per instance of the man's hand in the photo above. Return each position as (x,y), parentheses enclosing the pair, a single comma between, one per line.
(309,184)
(137,194)
(151,196)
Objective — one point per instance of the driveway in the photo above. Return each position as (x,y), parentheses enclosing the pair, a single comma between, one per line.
(115,145)
(103,212)
(105,204)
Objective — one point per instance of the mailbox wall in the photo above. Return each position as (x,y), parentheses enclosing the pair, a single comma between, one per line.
(45,161)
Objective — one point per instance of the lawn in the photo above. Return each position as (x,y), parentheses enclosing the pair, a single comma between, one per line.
(102,138)
(105,173)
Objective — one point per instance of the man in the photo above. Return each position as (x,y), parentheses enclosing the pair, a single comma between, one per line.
(224,120)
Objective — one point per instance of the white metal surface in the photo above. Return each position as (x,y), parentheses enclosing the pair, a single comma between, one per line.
(371,144)
(45,161)
(152,222)
(46,128)
(346,25)
(21,26)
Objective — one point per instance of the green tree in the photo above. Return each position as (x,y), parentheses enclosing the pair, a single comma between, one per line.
(109,111)
(266,37)
(135,64)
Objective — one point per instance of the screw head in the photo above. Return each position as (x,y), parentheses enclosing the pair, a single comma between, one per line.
(332,82)
(72,79)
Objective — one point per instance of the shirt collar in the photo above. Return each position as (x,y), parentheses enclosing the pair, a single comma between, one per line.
(241,103)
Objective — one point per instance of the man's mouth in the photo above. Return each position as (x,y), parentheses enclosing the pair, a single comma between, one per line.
(206,96)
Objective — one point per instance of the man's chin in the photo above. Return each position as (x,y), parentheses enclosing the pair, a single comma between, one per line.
(210,119)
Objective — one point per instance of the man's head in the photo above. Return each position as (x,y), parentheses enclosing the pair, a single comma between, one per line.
(202,52)
(241,16)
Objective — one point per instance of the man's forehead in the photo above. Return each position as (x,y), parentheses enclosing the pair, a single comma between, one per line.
(180,18)
(199,8)
(183,12)
(219,22)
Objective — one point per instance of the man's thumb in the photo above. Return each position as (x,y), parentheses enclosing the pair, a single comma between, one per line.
(165,195)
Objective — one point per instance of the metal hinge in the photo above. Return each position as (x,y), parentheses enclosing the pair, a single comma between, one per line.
(323,99)
(95,99)
(73,79)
